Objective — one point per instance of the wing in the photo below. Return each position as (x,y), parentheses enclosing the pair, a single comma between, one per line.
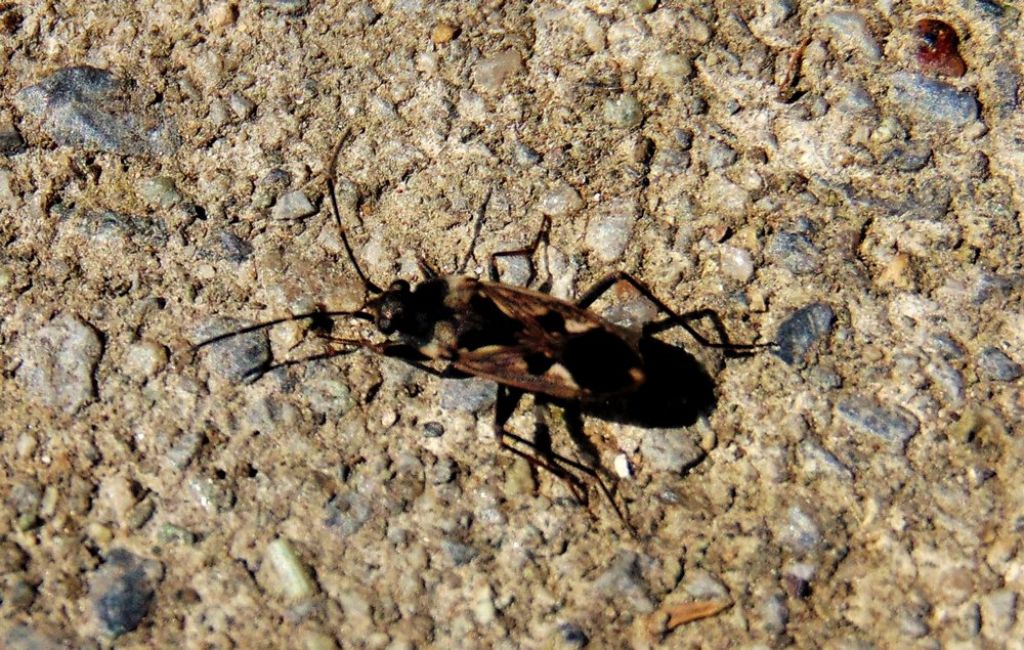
(541,344)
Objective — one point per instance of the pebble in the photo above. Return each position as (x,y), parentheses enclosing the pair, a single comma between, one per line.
(122,590)
(293,578)
(89,108)
(866,416)
(937,48)
(443,33)
(471,394)
(855,100)
(624,112)
(930,100)
(816,460)
(11,142)
(172,534)
(346,513)
(561,200)
(623,584)
(214,496)
(443,471)
(293,205)
(288,7)
(997,366)
(159,192)
(609,231)
(433,429)
(59,363)
(144,359)
(908,157)
(852,29)
(239,358)
(799,531)
(494,71)
(803,329)
(736,263)
(460,554)
(670,451)
(794,251)
(999,611)
(231,247)
(1005,88)
(242,106)
(774,614)
(572,635)
(719,155)
(701,584)
(328,396)
(184,449)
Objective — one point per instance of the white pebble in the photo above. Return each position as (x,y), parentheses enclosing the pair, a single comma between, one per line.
(736,263)
(561,200)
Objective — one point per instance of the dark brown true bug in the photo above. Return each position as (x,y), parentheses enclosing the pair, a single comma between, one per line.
(525,340)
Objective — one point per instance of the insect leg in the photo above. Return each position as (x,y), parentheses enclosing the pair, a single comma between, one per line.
(503,408)
(527,251)
(674,318)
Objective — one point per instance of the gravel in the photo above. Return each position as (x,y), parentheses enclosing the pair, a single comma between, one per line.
(59,363)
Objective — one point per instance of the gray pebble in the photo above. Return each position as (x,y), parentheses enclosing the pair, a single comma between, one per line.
(866,416)
(327,395)
(573,635)
(802,329)
(948,379)
(799,531)
(774,614)
(473,395)
(1005,87)
(11,142)
(347,513)
(107,226)
(994,363)
(719,155)
(948,347)
(443,471)
(231,247)
(851,28)
(293,205)
(908,157)
(816,460)
(238,358)
(122,589)
(242,106)
(855,100)
(88,108)
(624,112)
(623,584)
(159,191)
(701,584)
(433,429)
(184,449)
(286,6)
(561,200)
(459,553)
(794,251)
(670,451)
(932,100)
(525,156)
(270,186)
(608,233)
(59,363)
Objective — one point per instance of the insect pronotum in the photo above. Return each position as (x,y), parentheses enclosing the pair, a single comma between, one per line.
(525,340)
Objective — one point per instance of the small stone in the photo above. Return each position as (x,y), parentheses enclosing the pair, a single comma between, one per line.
(622,583)
(852,29)
(799,531)
(670,451)
(855,100)
(88,108)
(213,496)
(573,635)
(999,612)
(443,33)
(122,590)
(472,395)
(774,614)
(433,429)
(802,330)
(519,478)
(231,247)
(287,7)
(328,396)
(937,48)
(893,425)
(736,263)
(644,6)
(492,73)
(242,106)
(237,358)
(819,461)
(908,157)
(59,363)
(292,575)
(672,69)
(172,534)
(484,610)
(11,142)
(19,594)
(929,100)
(703,585)
(624,112)
(794,251)
(622,467)
(184,449)
(459,553)
(221,15)
(443,471)
(292,205)
(160,192)
(608,232)
(525,156)
(997,366)
(561,200)
(346,513)
(719,155)
(140,513)
(144,360)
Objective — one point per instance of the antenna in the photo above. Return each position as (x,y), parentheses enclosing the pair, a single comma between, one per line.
(331,169)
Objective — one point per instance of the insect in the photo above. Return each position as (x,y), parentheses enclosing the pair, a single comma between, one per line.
(525,340)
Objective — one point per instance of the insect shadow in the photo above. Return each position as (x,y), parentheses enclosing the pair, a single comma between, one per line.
(528,341)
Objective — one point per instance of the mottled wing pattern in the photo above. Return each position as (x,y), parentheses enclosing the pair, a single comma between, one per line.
(541,344)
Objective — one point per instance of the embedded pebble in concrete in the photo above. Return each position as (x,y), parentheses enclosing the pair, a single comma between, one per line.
(933,102)
(122,590)
(670,451)
(795,251)
(236,358)
(608,232)
(159,191)
(293,205)
(623,583)
(803,329)
(561,200)
(60,363)
(892,424)
(89,108)
(473,395)
(624,112)
(996,365)
(852,29)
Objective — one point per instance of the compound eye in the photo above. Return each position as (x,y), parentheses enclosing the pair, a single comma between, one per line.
(399,286)
(385,325)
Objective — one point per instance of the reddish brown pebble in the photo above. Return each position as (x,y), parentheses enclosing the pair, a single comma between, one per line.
(937,49)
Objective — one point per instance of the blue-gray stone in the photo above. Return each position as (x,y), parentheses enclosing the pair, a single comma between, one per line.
(794,251)
(932,100)
(89,108)
(802,329)
(866,416)
(122,591)
(996,365)
(238,358)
